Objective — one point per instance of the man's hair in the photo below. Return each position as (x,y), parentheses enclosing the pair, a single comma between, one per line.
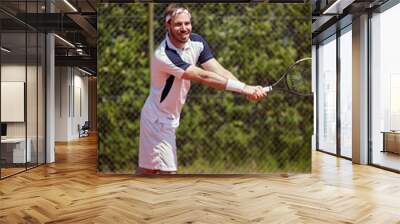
(171,10)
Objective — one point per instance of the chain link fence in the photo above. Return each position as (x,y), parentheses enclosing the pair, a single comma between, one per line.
(220,132)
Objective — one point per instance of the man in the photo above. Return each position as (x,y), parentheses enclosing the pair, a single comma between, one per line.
(173,68)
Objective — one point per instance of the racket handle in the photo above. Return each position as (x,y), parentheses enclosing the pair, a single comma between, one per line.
(268,88)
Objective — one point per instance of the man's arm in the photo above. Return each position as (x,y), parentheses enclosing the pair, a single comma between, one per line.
(220,82)
(213,65)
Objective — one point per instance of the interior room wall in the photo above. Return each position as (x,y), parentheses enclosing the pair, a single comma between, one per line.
(61,103)
(15,73)
(71,102)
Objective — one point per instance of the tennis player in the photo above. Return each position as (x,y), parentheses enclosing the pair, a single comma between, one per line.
(173,67)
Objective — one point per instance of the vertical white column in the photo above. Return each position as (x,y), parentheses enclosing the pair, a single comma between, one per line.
(360,90)
(50,94)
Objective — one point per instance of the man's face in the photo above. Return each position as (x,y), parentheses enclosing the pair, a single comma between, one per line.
(180,27)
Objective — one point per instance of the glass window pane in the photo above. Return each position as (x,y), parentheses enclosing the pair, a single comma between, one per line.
(23,86)
(14,151)
(327,95)
(385,84)
(31,101)
(346,93)
(32,86)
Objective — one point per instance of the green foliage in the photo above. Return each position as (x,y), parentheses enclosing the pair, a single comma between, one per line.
(220,132)
(122,83)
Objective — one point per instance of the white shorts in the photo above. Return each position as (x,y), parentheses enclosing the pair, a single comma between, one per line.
(157,147)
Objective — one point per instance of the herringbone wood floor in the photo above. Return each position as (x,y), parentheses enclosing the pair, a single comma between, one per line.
(70,191)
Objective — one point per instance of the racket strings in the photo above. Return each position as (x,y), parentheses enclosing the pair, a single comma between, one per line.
(304,63)
(298,77)
(298,80)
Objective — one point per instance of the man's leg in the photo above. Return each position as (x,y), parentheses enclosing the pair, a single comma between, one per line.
(157,148)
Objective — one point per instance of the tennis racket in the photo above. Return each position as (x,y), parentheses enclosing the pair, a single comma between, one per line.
(295,80)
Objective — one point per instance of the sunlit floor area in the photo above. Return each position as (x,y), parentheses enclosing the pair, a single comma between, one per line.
(387,159)
(70,191)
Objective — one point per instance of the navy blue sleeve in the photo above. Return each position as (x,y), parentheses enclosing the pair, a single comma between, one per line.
(206,53)
(174,57)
